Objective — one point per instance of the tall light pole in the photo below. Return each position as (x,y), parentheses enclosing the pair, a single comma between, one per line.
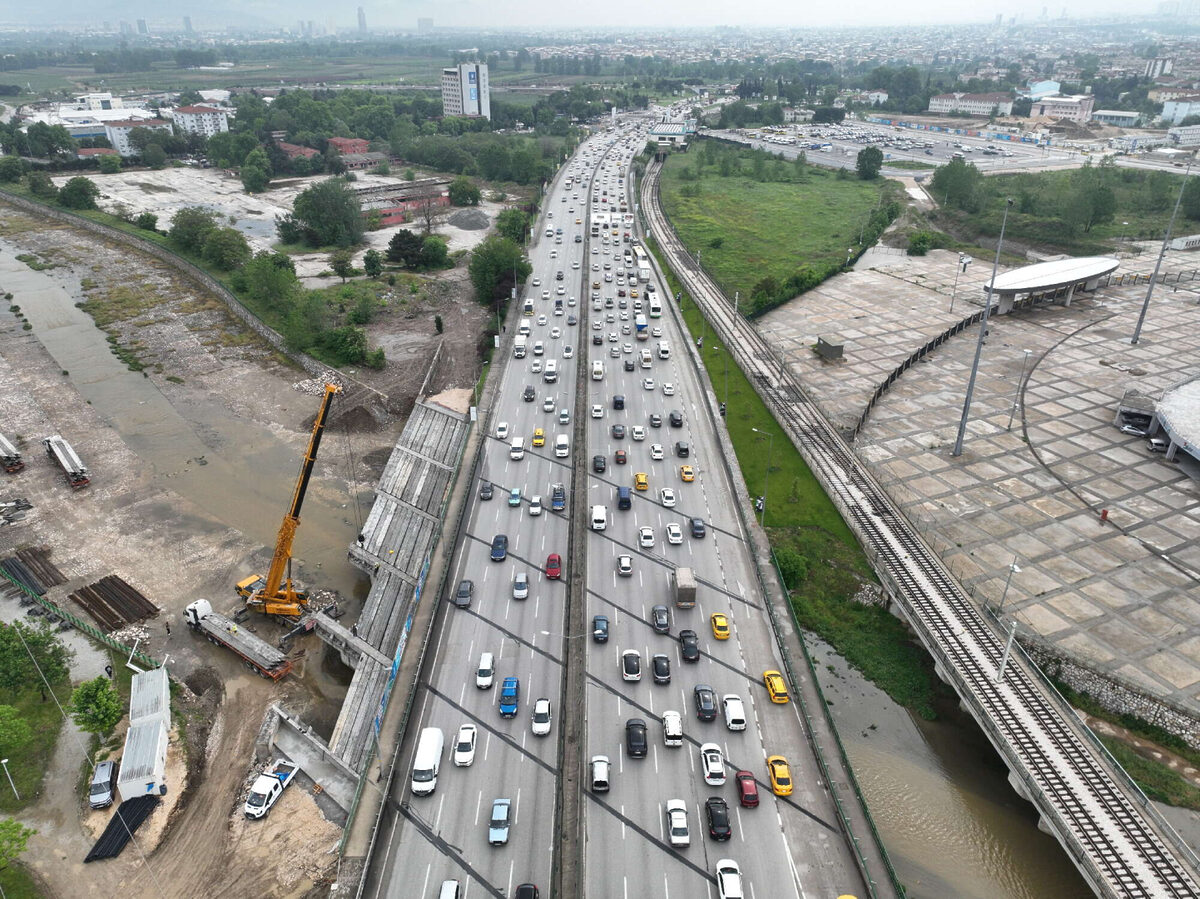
(963,261)
(983,326)
(1124,225)
(4,762)
(762,512)
(1137,331)
(1011,568)
(1017,390)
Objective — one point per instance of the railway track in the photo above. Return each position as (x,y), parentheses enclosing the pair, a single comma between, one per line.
(1114,843)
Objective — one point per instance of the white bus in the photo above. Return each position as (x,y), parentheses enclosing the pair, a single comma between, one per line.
(655,307)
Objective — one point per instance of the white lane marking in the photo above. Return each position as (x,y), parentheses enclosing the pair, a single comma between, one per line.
(478,804)
(425,887)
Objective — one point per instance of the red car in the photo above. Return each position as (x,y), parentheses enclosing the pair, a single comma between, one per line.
(747,789)
(621,457)
(554,571)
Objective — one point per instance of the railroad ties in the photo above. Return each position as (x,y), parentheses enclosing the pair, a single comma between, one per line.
(114,604)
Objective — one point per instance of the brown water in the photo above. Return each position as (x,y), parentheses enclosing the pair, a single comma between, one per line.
(940,798)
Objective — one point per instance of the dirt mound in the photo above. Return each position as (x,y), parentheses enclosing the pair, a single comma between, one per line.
(469,219)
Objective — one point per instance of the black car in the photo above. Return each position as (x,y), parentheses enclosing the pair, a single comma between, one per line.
(718,819)
(619,401)
(528,394)
(698,529)
(500,547)
(689,646)
(599,463)
(660,619)
(676,418)
(682,450)
(462,597)
(635,738)
(706,702)
(655,420)
(618,432)
(597,340)
(485,490)
(600,628)
(526,891)
(660,667)
(629,365)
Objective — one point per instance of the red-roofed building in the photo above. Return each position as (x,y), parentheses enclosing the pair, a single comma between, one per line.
(291,151)
(205,120)
(349,144)
(92,152)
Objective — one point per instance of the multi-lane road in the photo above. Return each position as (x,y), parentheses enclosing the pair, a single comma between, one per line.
(786,846)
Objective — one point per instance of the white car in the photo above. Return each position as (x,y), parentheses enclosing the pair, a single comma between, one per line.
(541,717)
(656,332)
(536,367)
(627,348)
(729,880)
(674,531)
(575,264)
(735,712)
(668,388)
(553,253)
(631,665)
(637,432)
(667,497)
(541,320)
(648,383)
(568,351)
(646,538)
(535,507)
(502,431)
(625,566)
(712,764)
(548,404)
(595,266)
(464,746)
(677,824)
(561,290)
(545,294)
(537,282)
(520,586)
(597,411)
(555,333)
(656,452)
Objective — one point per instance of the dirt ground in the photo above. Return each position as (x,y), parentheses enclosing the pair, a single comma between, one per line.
(132,522)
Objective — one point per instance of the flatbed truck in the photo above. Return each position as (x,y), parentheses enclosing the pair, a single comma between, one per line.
(258,654)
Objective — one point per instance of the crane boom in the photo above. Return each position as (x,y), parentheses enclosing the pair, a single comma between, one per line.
(274,594)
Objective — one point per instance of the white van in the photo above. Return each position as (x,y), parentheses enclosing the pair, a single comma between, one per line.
(539,348)
(597,370)
(561,446)
(449,890)
(485,674)
(427,761)
(550,375)
(664,349)
(519,346)
(516,451)
(599,518)
(646,359)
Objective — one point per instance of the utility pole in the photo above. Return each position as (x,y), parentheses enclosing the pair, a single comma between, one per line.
(1017,390)
(983,327)
(1137,331)
(963,261)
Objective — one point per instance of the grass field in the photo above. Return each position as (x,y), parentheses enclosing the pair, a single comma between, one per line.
(767,227)
(27,765)
(18,883)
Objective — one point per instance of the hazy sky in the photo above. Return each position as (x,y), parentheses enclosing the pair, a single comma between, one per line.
(628,15)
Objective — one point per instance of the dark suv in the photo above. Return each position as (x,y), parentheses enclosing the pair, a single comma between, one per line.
(676,418)
(528,395)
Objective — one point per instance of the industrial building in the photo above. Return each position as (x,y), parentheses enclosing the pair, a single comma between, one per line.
(1076,108)
(397,202)
(972,104)
(465,91)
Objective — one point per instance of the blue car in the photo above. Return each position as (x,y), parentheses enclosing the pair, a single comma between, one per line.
(510,695)
(558,498)
(499,547)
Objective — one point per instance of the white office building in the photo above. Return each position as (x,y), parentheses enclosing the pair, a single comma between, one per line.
(465,91)
(205,120)
(118,133)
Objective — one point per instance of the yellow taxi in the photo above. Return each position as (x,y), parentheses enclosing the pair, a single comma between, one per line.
(780,774)
(640,481)
(633,293)
(539,437)
(776,686)
(687,473)
(720,626)
(579,221)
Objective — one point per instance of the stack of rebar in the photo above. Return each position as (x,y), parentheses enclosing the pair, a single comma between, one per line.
(19,572)
(113,604)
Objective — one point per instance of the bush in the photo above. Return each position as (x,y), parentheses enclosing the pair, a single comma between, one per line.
(792,566)
(79,193)
(147,221)
(919,243)
(437,324)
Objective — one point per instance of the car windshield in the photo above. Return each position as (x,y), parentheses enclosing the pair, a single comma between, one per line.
(257,800)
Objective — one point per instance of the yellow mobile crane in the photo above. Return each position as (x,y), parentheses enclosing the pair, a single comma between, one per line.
(273,594)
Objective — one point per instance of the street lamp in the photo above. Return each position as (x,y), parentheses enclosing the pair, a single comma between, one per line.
(1124,225)
(1011,568)
(963,261)
(762,511)
(1017,391)
(1137,331)
(983,327)
(4,762)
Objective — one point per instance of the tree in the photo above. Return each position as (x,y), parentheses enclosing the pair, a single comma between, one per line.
(792,566)
(147,221)
(405,248)
(79,193)
(497,263)
(11,169)
(268,277)
(15,732)
(959,184)
(190,227)
(226,248)
(511,223)
(868,163)
(154,156)
(40,185)
(428,211)
(19,641)
(13,837)
(463,192)
(434,252)
(110,164)
(1190,204)
(96,706)
(330,214)
(373,263)
(342,263)
(256,171)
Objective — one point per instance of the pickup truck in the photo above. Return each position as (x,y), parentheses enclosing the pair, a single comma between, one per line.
(269,787)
